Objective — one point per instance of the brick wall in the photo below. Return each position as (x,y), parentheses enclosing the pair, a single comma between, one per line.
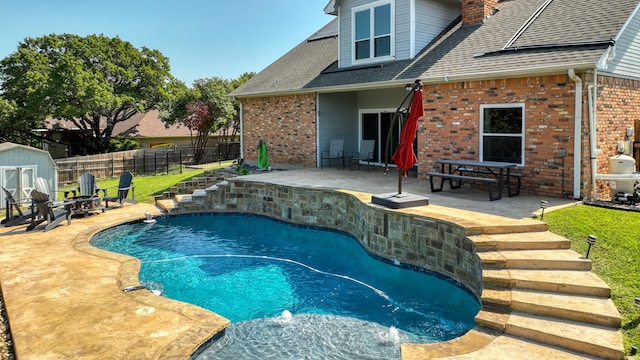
(450,128)
(452,118)
(618,108)
(287,124)
(475,11)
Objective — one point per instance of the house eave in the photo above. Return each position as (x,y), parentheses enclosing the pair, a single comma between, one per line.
(439,79)
(524,72)
(330,8)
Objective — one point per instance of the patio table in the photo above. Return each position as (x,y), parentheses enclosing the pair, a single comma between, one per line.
(499,170)
(85,204)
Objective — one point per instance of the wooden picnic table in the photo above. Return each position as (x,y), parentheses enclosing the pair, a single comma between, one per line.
(457,169)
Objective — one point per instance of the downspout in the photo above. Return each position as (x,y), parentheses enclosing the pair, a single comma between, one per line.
(318,154)
(577,134)
(593,90)
(241,130)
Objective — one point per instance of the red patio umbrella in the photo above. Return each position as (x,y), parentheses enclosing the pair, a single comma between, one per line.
(404,157)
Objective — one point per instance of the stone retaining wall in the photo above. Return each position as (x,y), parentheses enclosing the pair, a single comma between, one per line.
(425,244)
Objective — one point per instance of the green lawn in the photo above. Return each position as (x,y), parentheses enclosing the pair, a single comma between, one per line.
(615,256)
(148,186)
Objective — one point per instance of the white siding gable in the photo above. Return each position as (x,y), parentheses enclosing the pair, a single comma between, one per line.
(416,23)
(432,16)
(624,57)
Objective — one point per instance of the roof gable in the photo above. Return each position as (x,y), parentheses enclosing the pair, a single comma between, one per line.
(8,146)
(524,37)
(298,67)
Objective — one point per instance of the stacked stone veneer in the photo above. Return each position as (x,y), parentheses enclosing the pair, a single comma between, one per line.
(429,244)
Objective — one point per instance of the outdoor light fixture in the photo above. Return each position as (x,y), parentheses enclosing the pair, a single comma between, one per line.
(543,205)
(591,239)
(408,87)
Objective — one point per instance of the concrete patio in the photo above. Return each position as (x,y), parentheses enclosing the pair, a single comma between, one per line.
(64,298)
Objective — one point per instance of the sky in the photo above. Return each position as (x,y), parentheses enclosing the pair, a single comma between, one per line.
(201,38)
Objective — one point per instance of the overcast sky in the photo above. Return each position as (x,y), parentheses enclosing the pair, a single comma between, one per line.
(201,38)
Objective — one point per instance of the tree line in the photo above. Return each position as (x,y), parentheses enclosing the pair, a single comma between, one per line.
(96,82)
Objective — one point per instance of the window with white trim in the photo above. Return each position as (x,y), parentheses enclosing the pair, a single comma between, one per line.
(373,32)
(502,133)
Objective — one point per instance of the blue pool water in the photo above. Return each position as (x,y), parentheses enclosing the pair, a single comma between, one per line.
(292,292)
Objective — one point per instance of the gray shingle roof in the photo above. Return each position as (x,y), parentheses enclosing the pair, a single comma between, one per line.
(566,33)
(293,71)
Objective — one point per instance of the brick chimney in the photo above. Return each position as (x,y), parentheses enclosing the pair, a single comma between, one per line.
(474,11)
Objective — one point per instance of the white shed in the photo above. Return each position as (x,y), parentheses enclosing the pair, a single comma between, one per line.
(20,165)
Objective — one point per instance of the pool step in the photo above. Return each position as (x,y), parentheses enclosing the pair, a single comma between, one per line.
(487,346)
(603,342)
(553,259)
(559,281)
(538,289)
(190,196)
(588,309)
(167,205)
(520,241)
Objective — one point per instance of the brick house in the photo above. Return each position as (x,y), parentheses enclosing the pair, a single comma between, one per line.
(552,85)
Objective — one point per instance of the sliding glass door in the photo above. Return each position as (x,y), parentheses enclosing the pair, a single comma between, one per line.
(375,125)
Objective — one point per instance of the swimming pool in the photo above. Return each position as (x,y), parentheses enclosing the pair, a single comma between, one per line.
(292,291)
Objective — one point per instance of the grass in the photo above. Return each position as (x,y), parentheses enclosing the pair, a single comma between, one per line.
(147,186)
(615,256)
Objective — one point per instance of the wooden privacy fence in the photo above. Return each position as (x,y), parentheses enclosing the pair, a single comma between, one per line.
(170,160)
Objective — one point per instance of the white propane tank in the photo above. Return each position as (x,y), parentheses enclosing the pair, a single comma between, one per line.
(622,164)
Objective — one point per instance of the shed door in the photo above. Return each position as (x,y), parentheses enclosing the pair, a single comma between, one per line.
(18,180)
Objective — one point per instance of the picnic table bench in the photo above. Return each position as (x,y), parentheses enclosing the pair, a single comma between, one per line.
(462,170)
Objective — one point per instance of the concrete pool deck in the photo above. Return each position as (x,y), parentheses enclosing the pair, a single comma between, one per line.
(64,298)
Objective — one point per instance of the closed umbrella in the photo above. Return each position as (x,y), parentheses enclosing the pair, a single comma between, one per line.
(404,156)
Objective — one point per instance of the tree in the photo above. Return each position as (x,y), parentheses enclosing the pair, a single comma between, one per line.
(94,81)
(231,129)
(8,125)
(203,109)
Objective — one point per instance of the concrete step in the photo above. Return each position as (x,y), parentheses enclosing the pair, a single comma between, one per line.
(585,309)
(183,198)
(559,281)
(492,318)
(497,298)
(167,205)
(582,308)
(604,342)
(562,259)
(199,192)
(520,241)
(507,229)
(512,347)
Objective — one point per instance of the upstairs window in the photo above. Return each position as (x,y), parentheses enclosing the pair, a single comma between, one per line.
(372,32)
(502,135)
